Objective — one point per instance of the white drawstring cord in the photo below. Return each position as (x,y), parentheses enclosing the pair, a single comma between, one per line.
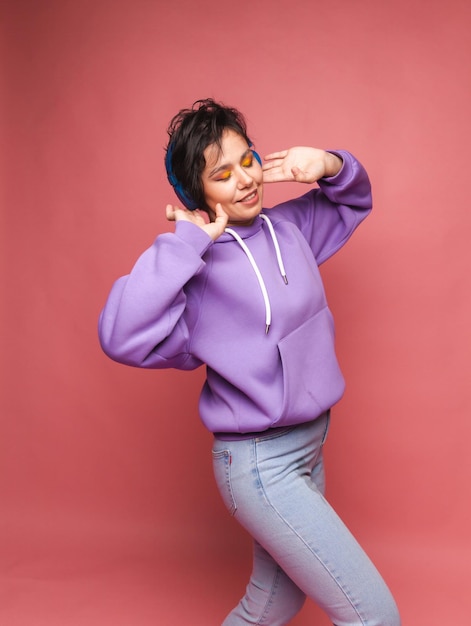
(254,265)
(277,247)
(258,274)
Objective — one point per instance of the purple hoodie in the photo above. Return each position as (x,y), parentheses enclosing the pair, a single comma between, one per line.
(190,301)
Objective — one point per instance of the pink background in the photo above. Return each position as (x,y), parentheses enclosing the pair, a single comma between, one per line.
(108,514)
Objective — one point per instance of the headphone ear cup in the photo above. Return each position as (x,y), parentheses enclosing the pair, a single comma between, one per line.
(257,156)
(255,153)
(180,192)
(184,197)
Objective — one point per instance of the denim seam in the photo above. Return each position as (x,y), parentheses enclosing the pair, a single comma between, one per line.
(317,556)
(326,429)
(269,601)
(225,456)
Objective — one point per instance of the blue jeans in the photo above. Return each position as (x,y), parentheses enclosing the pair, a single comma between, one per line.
(273,484)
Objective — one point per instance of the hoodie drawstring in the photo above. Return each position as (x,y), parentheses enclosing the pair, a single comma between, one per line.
(277,247)
(254,265)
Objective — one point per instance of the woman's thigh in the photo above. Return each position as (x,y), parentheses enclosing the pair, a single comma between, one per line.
(273,486)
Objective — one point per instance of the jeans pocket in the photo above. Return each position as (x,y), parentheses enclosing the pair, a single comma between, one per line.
(222,472)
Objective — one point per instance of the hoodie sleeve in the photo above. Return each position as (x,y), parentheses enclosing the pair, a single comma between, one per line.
(144,321)
(328,216)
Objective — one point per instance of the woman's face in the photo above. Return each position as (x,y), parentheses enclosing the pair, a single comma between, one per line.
(233,177)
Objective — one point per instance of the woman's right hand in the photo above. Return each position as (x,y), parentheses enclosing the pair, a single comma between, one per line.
(214,229)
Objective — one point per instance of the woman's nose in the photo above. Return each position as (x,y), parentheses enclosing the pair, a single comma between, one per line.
(243,178)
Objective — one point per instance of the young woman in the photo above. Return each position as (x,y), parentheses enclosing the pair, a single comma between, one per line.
(237,288)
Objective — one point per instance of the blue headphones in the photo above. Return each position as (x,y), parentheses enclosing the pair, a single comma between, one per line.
(180,192)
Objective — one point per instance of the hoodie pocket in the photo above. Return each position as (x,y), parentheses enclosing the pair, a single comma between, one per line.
(312,380)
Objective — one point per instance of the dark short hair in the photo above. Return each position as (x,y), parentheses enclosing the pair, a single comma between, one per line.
(190,132)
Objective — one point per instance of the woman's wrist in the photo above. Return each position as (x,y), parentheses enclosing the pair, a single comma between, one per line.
(333,165)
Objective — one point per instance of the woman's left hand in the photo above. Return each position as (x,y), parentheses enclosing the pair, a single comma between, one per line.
(300,164)
(214,228)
